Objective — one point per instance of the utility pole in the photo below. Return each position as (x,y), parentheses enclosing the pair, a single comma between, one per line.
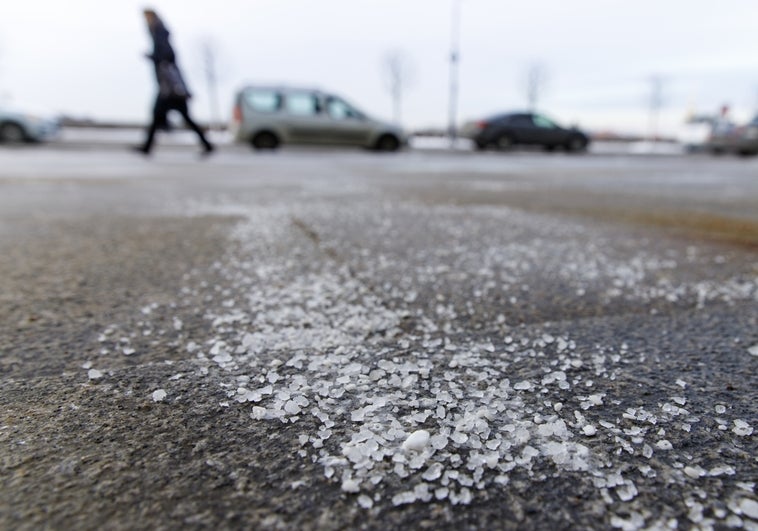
(454,63)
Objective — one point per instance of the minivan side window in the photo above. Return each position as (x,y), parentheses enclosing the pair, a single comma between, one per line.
(339,110)
(302,104)
(263,100)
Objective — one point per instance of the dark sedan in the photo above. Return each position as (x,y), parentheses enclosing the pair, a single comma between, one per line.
(504,131)
(728,138)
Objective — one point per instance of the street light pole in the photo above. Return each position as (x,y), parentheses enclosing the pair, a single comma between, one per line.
(454,62)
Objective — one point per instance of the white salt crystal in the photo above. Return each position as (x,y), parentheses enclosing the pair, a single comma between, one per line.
(636,521)
(459,438)
(94,374)
(720,409)
(403,498)
(742,428)
(159,395)
(694,471)
(291,407)
(589,430)
(350,485)
(422,493)
(258,413)
(439,441)
(753,350)
(663,444)
(627,492)
(416,441)
(596,400)
(524,385)
(417,462)
(365,502)
(722,470)
(465,496)
(433,472)
(696,513)
(749,508)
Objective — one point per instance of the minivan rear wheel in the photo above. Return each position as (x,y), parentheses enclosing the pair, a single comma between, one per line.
(387,143)
(265,140)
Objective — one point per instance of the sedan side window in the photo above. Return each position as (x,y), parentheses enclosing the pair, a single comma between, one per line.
(541,121)
(303,104)
(521,121)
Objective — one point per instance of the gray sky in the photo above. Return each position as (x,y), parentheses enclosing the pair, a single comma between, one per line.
(84,57)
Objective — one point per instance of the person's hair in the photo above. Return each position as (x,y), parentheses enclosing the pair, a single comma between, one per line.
(152,16)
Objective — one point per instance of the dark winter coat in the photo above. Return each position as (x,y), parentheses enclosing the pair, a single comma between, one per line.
(170,81)
(162,50)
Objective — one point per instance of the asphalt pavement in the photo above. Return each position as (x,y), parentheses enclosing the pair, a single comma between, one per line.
(349,340)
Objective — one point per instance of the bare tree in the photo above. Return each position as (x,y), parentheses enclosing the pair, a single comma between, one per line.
(536,82)
(211,77)
(397,71)
(656,103)
(214,67)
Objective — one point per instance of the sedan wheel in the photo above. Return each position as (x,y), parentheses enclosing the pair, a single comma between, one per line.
(576,144)
(504,143)
(12,133)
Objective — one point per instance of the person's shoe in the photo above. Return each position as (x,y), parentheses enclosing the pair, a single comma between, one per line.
(141,149)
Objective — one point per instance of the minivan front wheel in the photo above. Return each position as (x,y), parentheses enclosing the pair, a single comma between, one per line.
(265,140)
(387,143)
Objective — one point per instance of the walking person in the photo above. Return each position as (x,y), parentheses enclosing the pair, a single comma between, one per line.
(172,90)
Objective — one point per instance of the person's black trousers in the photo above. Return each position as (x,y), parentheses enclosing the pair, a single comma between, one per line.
(160,119)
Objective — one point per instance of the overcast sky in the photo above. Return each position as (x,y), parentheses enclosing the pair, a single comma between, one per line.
(85,57)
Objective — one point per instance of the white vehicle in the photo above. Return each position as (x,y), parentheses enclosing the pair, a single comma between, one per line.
(267,117)
(16,127)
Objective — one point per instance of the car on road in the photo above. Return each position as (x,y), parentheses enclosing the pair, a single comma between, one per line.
(18,127)
(503,131)
(267,117)
(730,138)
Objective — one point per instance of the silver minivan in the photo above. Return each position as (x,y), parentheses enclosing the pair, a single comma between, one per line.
(269,116)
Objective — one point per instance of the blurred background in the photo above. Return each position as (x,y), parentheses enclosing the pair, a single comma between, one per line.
(644,68)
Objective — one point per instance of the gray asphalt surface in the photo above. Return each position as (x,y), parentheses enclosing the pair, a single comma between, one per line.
(330,340)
